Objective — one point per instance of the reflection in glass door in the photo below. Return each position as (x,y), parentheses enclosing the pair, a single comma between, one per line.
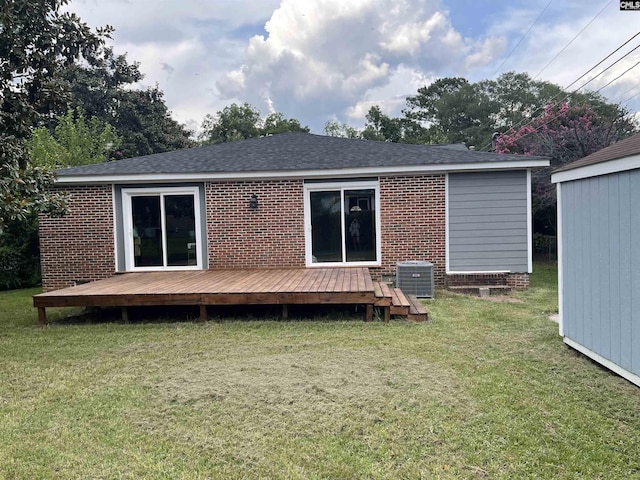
(343,225)
(181,229)
(326,233)
(147,231)
(360,221)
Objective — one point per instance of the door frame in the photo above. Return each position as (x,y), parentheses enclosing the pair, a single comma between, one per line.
(127,222)
(342,187)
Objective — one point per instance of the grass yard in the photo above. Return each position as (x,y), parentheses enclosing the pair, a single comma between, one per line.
(484,390)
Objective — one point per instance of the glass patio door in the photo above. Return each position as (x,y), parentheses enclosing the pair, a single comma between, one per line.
(342,224)
(162,230)
(326,226)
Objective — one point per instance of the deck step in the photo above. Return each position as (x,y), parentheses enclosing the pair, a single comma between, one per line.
(417,312)
(383,294)
(400,304)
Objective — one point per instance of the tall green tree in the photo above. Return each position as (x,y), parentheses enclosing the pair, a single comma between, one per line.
(381,127)
(276,123)
(36,42)
(454,110)
(238,122)
(75,141)
(234,122)
(517,97)
(103,89)
(333,128)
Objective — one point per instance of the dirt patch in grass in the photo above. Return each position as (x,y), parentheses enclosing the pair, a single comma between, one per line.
(502,299)
(275,405)
(313,381)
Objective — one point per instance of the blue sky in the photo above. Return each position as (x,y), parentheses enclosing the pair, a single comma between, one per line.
(317,60)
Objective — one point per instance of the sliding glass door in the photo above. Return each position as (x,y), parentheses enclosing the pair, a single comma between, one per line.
(162,228)
(342,223)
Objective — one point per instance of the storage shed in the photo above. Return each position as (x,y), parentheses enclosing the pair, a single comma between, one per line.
(599,256)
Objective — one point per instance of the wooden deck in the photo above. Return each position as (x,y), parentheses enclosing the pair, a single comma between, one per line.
(279,286)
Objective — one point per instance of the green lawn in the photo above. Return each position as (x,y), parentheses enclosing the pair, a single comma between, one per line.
(484,390)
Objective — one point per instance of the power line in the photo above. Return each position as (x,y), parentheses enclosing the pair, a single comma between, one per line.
(602,61)
(522,38)
(623,73)
(625,92)
(531,120)
(631,97)
(554,117)
(572,40)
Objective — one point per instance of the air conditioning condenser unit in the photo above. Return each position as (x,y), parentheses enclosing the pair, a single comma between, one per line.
(415,277)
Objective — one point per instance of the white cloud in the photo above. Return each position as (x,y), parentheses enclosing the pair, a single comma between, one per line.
(325,57)
(182,46)
(320,59)
(487,51)
(391,97)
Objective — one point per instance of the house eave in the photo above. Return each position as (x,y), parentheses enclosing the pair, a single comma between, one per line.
(143,178)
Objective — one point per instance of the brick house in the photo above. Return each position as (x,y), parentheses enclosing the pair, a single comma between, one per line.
(296,200)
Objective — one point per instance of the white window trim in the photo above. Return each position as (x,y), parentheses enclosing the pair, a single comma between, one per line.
(342,186)
(114,209)
(127,222)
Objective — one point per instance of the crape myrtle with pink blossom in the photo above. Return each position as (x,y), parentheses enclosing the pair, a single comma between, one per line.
(564,132)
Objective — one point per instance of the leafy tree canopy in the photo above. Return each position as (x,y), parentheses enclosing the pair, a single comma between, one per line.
(36,43)
(238,122)
(277,123)
(382,127)
(102,89)
(564,133)
(75,141)
(333,128)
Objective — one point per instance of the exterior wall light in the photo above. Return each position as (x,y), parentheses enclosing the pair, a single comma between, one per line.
(253,202)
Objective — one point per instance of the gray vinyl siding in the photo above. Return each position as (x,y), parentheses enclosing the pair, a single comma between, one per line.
(601,266)
(487,223)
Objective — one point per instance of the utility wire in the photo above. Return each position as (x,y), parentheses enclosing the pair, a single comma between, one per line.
(631,97)
(558,115)
(572,40)
(602,61)
(625,92)
(531,120)
(522,38)
(630,68)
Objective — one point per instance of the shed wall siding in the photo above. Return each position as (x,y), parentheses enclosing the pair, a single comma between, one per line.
(487,224)
(601,266)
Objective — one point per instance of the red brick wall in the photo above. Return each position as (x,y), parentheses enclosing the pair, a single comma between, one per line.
(79,246)
(518,281)
(271,236)
(412,211)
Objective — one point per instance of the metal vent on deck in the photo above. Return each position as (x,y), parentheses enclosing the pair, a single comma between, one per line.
(415,277)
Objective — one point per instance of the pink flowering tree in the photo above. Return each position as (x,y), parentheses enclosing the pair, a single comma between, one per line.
(563,133)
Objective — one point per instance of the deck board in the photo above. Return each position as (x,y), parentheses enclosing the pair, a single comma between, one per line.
(220,287)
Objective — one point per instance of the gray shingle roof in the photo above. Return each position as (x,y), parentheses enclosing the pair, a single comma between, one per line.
(290,152)
(624,148)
